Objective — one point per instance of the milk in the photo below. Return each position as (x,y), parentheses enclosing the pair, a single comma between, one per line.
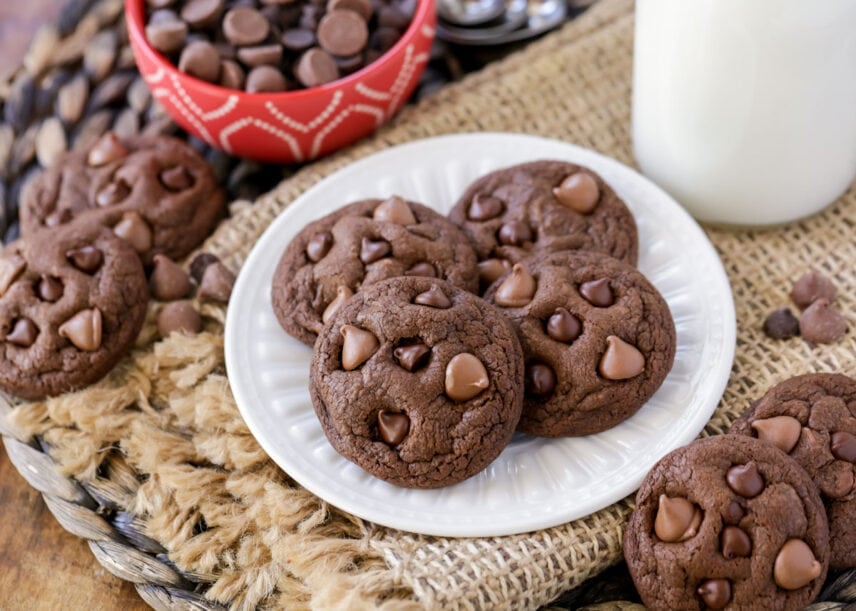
(745,110)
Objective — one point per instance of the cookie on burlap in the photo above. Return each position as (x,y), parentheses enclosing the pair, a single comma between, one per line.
(360,244)
(72,301)
(156,192)
(598,339)
(727,522)
(418,382)
(813,418)
(543,205)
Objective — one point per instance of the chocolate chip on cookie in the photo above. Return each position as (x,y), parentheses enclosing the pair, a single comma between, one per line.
(156,192)
(543,206)
(418,382)
(727,522)
(597,336)
(813,419)
(71,305)
(358,245)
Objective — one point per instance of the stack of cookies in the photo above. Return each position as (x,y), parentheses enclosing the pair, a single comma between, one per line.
(421,381)
(74,289)
(753,519)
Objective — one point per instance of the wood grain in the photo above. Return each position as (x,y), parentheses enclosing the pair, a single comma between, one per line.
(41,565)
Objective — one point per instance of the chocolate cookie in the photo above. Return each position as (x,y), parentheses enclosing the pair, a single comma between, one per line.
(72,301)
(547,206)
(157,193)
(360,244)
(597,336)
(813,418)
(418,382)
(727,522)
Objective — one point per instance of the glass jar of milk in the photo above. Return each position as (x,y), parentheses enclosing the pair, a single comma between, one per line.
(745,110)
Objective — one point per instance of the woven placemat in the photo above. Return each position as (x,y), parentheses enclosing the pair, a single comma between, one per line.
(173,492)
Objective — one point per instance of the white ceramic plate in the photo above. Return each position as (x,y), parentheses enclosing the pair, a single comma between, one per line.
(535,483)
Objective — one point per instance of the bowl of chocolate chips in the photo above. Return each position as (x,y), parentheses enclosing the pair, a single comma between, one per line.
(281,80)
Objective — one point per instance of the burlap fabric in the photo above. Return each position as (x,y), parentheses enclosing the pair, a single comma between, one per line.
(163,434)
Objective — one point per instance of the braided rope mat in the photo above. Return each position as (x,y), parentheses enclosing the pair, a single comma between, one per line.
(156,469)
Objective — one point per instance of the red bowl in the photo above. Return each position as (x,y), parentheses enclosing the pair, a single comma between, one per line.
(294,126)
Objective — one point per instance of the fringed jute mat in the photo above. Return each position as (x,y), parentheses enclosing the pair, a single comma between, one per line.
(155,467)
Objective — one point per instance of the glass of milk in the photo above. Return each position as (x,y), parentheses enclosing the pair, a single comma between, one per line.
(745,110)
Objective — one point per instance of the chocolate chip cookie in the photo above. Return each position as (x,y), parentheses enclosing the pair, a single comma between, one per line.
(547,206)
(72,302)
(813,418)
(360,244)
(597,336)
(727,522)
(157,193)
(418,382)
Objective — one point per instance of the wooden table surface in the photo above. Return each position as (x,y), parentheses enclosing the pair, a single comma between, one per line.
(41,565)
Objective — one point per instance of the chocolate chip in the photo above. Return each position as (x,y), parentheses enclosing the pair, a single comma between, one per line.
(394,210)
(843,446)
(579,192)
(165,35)
(179,316)
(133,229)
(514,233)
(812,286)
(10,269)
(735,543)
(261,55)
(358,346)
(83,330)
(563,326)
(316,67)
(517,290)
(433,298)
(423,268)
(298,39)
(199,264)
(677,519)
(168,281)
(822,323)
(466,377)
(795,565)
(202,13)
(781,324)
(745,480)
(733,513)
(412,357)
(343,293)
(620,361)
(265,79)
(598,293)
(491,270)
(86,258)
(216,284)
(176,178)
(540,380)
(24,333)
(392,426)
(485,207)
(232,75)
(342,32)
(384,38)
(715,593)
(362,7)
(373,250)
(390,16)
(50,289)
(113,193)
(319,245)
(244,26)
(200,59)
(781,431)
(106,150)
